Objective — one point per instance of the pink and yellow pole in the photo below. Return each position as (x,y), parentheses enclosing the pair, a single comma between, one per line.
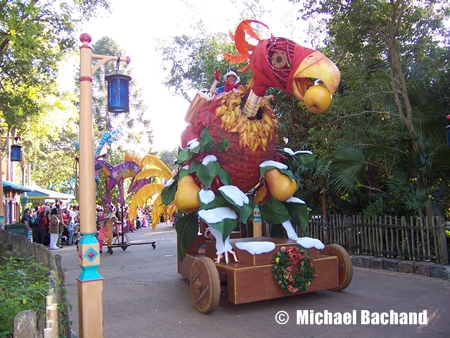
(90,283)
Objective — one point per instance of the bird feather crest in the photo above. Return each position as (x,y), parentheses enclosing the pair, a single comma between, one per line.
(242,45)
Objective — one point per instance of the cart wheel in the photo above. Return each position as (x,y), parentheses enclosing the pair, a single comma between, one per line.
(124,247)
(345,266)
(153,245)
(204,284)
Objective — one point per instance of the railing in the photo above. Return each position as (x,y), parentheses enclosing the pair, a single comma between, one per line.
(408,238)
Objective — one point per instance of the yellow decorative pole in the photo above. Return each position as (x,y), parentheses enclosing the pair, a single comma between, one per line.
(90,283)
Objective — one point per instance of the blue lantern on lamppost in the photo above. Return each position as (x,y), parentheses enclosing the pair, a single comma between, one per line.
(118,92)
(16,153)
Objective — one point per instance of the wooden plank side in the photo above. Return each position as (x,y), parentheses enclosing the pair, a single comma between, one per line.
(256,283)
(247,258)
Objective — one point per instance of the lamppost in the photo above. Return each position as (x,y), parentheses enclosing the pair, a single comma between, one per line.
(90,283)
(16,155)
(24,202)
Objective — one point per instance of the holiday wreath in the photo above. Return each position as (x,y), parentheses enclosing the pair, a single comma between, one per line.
(293,268)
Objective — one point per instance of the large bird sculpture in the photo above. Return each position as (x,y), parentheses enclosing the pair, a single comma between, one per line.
(229,149)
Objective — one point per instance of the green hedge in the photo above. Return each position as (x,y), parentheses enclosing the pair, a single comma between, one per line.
(24,285)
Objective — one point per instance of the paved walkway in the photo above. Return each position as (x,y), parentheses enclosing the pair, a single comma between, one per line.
(144,296)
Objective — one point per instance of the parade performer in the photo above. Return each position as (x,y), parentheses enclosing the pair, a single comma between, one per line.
(231,82)
(105,233)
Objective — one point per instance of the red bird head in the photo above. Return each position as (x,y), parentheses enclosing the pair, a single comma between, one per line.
(282,63)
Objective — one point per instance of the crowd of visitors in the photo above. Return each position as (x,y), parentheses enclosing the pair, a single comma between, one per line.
(53,224)
(56,224)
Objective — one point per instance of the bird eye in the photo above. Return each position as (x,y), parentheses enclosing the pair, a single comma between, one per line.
(279,60)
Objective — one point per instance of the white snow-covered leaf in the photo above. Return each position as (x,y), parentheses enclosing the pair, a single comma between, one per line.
(275,164)
(209,158)
(293,199)
(256,248)
(221,245)
(192,144)
(217,215)
(206,196)
(235,194)
(308,243)
(169,182)
(292,153)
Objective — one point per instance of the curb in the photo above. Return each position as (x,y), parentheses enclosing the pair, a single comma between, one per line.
(391,264)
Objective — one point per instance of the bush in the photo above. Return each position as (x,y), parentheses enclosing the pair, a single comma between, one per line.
(23,286)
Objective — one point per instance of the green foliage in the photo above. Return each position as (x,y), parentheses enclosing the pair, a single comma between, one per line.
(135,126)
(169,157)
(293,269)
(34,36)
(381,131)
(187,230)
(274,211)
(190,62)
(23,286)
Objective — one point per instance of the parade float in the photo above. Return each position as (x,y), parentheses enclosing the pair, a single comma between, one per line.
(231,168)
(114,177)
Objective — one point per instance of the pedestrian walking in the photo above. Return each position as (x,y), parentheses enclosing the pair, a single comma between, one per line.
(54,229)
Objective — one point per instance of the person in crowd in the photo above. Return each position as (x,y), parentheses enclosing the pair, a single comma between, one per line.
(65,216)
(35,212)
(70,230)
(61,225)
(39,230)
(43,221)
(26,218)
(55,221)
(73,213)
(174,219)
(105,233)
(47,207)
(138,223)
(144,221)
(99,216)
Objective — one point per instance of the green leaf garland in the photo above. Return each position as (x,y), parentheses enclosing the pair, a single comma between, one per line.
(293,268)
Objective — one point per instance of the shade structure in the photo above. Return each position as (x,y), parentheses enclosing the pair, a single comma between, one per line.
(16,153)
(118,93)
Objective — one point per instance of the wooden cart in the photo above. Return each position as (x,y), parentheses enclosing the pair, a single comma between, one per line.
(208,280)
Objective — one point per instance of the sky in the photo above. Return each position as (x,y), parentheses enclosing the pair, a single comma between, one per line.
(134,27)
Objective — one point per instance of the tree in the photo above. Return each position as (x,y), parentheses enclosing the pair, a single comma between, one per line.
(34,37)
(382,126)
(135,125)
(169,158)
(191,61)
